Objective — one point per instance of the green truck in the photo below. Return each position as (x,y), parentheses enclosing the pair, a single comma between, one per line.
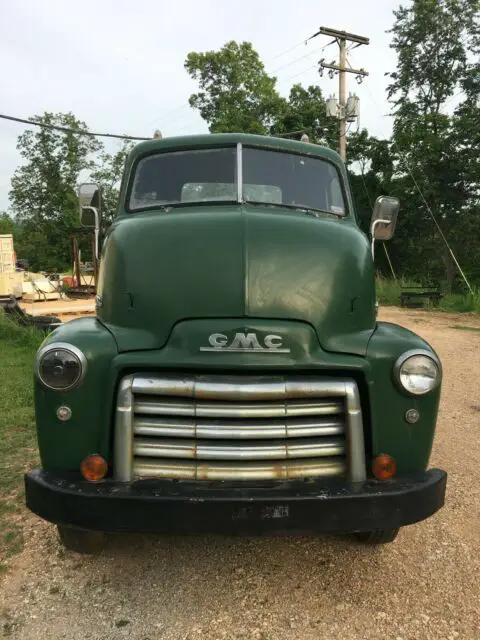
(235,378)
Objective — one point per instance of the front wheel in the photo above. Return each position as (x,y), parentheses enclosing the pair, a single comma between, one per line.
(81,541)
(380,536)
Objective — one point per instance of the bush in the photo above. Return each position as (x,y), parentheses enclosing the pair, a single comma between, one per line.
(461,303)
(388,291)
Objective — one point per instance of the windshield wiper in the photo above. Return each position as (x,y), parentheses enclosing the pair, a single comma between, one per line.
(167,207)
(309,211)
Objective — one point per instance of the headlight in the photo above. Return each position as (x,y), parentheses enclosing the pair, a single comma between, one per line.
(417,372)
(61,366)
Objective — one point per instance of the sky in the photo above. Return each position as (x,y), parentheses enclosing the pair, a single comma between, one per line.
(118,65)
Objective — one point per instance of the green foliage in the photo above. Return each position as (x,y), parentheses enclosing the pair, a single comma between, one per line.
(108,173)
(466,303)
(43,192)
(18,450)
(432,39)
(7,224)
(304,111)
(462,327)
(388,291)
(236,93)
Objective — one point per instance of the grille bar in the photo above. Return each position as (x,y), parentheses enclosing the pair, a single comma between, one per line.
(180,407)
(211,450)
(236,387)
(166,426)
(190,470)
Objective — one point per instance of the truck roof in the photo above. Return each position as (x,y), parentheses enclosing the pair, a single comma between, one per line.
(220,139)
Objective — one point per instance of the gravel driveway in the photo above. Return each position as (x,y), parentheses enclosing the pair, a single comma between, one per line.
(425,585)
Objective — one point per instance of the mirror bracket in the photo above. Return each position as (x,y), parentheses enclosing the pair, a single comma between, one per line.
(372,232)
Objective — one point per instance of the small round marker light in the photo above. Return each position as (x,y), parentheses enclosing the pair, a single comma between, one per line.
(384,467)
(94,468)
(412,416)
(64,413)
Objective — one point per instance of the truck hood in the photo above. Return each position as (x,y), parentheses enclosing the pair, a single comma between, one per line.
(237,262)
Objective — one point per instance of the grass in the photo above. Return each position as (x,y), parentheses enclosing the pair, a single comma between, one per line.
(388,293)
(462,327)
(18,447)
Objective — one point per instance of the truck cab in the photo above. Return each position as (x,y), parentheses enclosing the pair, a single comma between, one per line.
(235,378)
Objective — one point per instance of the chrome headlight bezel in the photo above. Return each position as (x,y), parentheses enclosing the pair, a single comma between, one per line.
(401,360)
(64,346)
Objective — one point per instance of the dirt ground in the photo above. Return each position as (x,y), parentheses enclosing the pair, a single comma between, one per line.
(423,586)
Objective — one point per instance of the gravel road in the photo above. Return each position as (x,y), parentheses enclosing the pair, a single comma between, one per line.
(425,585)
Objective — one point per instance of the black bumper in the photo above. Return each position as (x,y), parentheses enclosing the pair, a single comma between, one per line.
(165,506)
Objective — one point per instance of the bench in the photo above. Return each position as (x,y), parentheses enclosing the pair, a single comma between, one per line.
(414,297)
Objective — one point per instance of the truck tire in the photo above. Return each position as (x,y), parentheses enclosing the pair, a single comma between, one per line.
(380,536)
(80,540)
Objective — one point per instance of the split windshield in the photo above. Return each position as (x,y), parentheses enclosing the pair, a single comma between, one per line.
(212,175)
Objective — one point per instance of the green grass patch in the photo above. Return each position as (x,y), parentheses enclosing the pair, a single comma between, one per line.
(18,447)
(458,303)
(462,327)
(389,291)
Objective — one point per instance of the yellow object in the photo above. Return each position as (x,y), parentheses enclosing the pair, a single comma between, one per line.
(11,281)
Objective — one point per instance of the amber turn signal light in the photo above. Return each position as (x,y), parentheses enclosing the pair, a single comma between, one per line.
(94,468)
(384,467)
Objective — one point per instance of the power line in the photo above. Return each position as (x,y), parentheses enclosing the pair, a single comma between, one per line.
(79,132)
(296,75)
(307,55)
(283,53)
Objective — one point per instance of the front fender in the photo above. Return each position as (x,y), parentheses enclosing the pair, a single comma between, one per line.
(63,445)
(409,444)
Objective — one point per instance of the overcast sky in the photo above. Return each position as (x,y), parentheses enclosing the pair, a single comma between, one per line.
(118,64)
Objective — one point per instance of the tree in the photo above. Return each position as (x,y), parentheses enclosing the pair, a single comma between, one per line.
(304,111)
(432,39)
(7,224)
(236,93)
(43,190)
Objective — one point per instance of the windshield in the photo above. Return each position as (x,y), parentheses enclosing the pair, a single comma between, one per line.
(185,176)
(298,181)
(211,175)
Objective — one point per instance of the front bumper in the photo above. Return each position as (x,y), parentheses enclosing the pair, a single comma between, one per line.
(165,506)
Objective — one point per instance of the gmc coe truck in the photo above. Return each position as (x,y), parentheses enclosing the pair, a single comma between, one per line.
(235,378)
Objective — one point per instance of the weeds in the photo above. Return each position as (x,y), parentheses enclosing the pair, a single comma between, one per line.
(18,450)
(389,291)
(462,327)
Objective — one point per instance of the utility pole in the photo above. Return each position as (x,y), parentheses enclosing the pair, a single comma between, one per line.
(346,110)
(342,96)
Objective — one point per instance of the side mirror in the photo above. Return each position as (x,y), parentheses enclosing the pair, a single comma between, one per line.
(89,217)
(89,201)
(89,195)
(384,219)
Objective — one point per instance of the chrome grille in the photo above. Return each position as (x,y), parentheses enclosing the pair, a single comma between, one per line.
(237,428)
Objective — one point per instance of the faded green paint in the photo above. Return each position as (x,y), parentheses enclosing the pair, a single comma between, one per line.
(171,280)
(237,261)
(63,445)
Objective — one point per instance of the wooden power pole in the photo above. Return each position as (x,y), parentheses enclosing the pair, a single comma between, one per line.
(342,37)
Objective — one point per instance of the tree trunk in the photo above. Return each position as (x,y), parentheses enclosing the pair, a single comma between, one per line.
(449,269)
